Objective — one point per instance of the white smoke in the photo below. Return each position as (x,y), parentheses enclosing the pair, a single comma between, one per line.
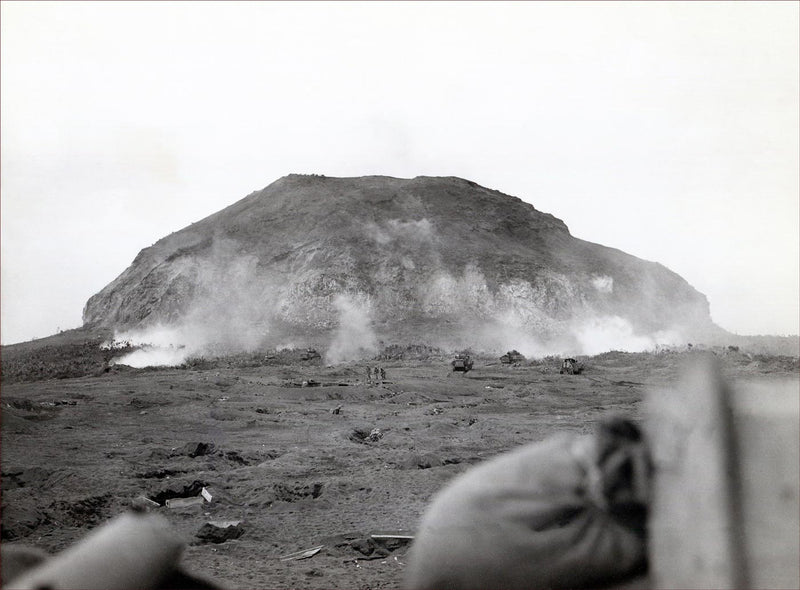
(354,337)
(148,356)
(446,293)
(232,305)
(604,333)
(603,283)
(238,306)
(526,316)
(159,346)
(413,231)
(234,302)
(509,331)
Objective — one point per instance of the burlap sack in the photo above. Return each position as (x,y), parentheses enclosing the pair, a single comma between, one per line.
(568,512)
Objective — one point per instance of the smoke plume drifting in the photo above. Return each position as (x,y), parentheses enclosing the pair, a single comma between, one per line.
(604,284)
(232,307)
(605,333)
(158,346)
(416,231)
(354,337)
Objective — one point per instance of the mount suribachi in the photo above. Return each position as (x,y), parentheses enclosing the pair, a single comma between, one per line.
(439,260)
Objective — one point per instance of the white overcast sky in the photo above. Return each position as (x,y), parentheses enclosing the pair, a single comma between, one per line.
(666,129)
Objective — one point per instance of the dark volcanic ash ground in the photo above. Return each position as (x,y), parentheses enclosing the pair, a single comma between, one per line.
(300,467)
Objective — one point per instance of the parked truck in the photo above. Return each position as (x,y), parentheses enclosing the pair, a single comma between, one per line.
(462,362)
(571,366)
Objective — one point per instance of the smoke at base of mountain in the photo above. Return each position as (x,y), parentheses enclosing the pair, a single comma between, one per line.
(590,336)
(230,312)
(354,337)
(158,346)
(236,306)
(601,334)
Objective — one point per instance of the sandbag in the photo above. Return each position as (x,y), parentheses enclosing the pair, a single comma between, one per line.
(133,551)
(569,512)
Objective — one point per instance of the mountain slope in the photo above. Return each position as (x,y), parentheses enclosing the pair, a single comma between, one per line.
(312,259)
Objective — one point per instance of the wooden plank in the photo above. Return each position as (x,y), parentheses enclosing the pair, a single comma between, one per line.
(725,511)
(767,418)
(695,540)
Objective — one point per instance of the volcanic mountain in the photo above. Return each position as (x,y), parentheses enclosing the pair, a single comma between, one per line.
(314,260)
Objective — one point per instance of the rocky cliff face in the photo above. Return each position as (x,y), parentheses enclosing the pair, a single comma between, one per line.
(354,261)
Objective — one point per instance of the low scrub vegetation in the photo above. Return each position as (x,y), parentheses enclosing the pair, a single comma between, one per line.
(56,361)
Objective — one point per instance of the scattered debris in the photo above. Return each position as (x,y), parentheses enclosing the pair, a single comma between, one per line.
(362,435)
(183,502)
(187,491)
(378,545)
(365,547)
(393,541)
(208,494)
(336,410)
(144,503)
(393,535)
(305,554)
(220,531)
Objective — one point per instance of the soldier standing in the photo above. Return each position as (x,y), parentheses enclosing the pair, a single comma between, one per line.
(369,374)
(383,374)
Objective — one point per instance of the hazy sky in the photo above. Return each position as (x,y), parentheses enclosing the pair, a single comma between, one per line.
(666,129)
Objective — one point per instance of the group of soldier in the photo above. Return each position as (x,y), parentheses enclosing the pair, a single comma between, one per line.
(376,374)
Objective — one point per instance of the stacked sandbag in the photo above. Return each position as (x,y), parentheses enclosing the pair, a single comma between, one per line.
(569,512)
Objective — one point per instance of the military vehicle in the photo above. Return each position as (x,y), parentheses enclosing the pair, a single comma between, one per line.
(310,354)
(512,357)
(462,362)
(571,366)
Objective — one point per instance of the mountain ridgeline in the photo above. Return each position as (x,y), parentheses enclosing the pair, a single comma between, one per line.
(353,262)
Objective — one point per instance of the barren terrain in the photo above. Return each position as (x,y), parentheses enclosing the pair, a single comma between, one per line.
(326,464)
